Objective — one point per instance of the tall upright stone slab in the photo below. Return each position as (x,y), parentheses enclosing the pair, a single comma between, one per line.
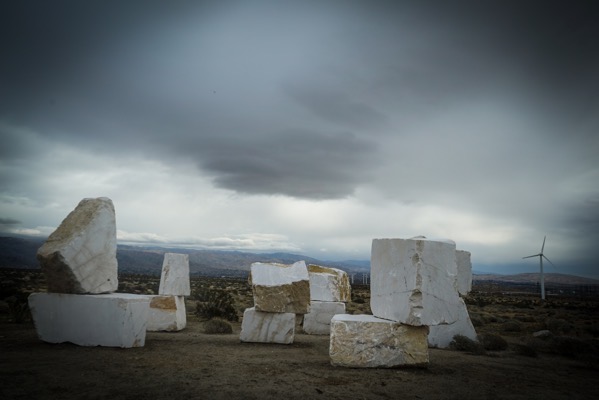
(80,255)
(413,281)
(174,279)
(328,284)
(464,276)
(280,288)
(365,341)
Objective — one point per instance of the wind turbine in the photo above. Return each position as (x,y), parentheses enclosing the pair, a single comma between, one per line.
(541,256)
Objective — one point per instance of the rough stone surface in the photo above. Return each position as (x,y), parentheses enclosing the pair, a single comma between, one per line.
(464,276)
(364,341)
(266,327)
(318,320)
(280,288)
(80,255)
(413,281)
(328,284)
(113,320)
(174,279)
(441,335)
(167,313)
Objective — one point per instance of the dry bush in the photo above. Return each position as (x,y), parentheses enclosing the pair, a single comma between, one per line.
(558,325)
(217,326)
(492,342)
(18,309)
(214,303)
(570,346)
(512,326)
(524,349)
(463,343)
(477,320)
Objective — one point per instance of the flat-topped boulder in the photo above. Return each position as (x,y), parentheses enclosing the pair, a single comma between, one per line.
(281,288)
(80,255)
(318,320)
(413,281)
(464,276)
(442,335)
(113,320)
(266,327)
(167,313)
(328,284)
(174,279)
(365,341)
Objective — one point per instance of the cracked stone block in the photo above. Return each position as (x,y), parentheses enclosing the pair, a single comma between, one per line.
(318,320)
(266,327)
(174,279)
(167,313)
(113,320)
(365,341)
(328,284)
(281,288)
(441,335)
(464,275)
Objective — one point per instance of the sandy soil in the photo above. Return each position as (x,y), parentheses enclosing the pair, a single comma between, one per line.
(193,365)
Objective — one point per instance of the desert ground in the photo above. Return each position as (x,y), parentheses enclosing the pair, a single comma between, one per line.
(192,364)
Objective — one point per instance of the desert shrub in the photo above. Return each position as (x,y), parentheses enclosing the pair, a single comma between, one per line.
(569,346)
(214,303)
(477,320)
(464,343)
(558,325)
(216,326)
(525,318)
(18,309)
(524,349)
(359,300)
(512,326)
(492,342)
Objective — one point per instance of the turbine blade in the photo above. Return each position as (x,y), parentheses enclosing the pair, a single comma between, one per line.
(549,261)
(543,247)
(535,255)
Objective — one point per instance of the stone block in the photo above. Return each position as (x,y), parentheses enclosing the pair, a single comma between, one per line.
(113,320)
(266,327)
(281,288)
(328,284)
(318,320)
(80,255)
(464,276)
(167,313)
(174,279)
(441,335)
(413,281)
(365,341)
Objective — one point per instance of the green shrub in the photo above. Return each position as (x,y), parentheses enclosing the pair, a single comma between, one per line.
(214,303)
(492,342)
(463,343)
(217,326)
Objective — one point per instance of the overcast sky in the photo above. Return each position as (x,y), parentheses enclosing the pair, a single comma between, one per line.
(309,126)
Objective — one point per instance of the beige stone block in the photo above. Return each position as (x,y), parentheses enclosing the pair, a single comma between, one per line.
(167,313)
(280,288)
(328,284)
(265,327)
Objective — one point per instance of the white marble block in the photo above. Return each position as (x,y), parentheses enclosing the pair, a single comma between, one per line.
(167,313)
(266,327)
(464,275)
(281,288)
(328,284)
(413,281)
(441,335)
(318,320)
(113,320)
(174,279)
(365,341)
(80,255)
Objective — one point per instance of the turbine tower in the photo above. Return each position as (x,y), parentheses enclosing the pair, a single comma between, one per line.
(541,256)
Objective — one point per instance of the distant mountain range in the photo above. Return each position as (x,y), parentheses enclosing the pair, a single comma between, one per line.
(531,277)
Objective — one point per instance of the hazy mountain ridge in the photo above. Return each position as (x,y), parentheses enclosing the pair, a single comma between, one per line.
(533,277)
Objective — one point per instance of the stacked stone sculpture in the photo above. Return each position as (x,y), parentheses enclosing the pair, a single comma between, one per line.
(280,292)
(167,309)
(329,291)
(442,335)
(80,265)
(413,286)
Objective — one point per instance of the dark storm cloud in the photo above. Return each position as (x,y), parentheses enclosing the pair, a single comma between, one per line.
(9,221)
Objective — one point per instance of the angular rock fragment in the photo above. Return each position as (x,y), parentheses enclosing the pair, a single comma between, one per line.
(113,320)
(174,279)
(318,320)
(364,341)
(267,327)
(167,313)
(464,275)
(441,335)
(413,281)
(80,255)
(280,288)
(328,284)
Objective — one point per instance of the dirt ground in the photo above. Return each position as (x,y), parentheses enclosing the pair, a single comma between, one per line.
(193,365)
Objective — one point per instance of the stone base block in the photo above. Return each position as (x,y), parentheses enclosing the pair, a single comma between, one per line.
(442,335)
(266,327)
(114,320)
(167,313)
(318,320)
(364,341)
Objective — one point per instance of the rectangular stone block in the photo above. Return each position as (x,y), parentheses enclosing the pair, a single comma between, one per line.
(174,279)
(464,275)
(281,288)
(113,320)
(365,341)
(167,313)
(413,281)
(318,320)
(441,335)
(328,284)
(265,327)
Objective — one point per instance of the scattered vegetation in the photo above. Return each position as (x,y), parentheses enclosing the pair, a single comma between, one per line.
(217,326)
(214,303)
(492,342)
(464,343)
(18,309)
